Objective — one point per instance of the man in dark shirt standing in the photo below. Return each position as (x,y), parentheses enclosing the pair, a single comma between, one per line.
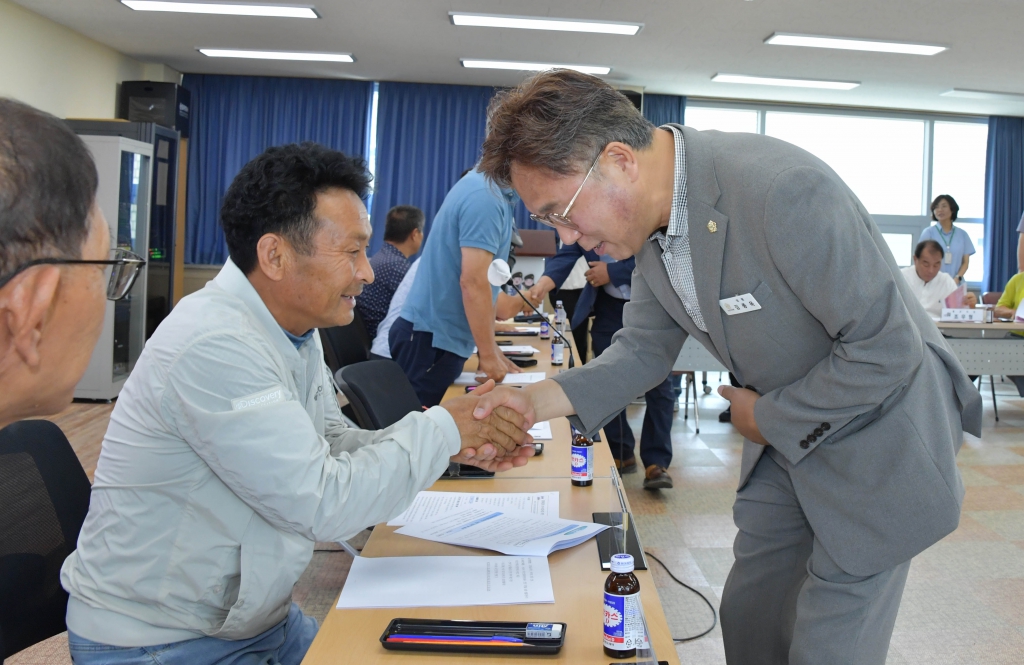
(403,237)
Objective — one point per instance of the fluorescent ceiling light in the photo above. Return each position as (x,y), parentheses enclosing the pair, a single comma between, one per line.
(982,94)
(539,23)
(532,66)
(281,11)
(817,41)
(277,55)
(789,83)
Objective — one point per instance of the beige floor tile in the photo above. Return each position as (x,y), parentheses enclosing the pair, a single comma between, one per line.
(971,530)
(1007,523)
(992,498)
(974,478)
(1007,474)
(707,530)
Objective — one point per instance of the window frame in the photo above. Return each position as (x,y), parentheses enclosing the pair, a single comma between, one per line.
(914,224)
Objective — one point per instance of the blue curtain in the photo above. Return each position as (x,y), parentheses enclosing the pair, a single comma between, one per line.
(660,109)
(235,118)
(1004,199)
(427,135)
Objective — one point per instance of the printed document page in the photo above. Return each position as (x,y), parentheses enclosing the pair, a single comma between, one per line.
(521,379)
(446,581)
(541,431)
(507,531)
(428,505)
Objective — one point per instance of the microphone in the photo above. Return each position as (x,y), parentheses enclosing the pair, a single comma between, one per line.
(498,274)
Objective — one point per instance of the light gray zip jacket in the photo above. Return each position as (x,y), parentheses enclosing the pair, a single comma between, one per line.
(225,459)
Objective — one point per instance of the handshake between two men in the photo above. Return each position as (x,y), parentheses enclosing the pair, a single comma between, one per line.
(497,441)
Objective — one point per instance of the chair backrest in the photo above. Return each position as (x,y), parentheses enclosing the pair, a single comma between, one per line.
(379,392)
(991,297)
(44,497)
(345,345)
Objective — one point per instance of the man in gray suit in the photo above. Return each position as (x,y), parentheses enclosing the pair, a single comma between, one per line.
(854,406)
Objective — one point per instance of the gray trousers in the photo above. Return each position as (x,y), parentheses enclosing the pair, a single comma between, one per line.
(786,600)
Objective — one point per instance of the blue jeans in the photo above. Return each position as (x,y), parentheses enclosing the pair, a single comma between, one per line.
(430,370)
(284,644)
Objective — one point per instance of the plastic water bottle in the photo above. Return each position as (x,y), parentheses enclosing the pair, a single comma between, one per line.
(559,317)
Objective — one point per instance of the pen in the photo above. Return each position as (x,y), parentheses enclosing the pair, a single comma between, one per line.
(458,638)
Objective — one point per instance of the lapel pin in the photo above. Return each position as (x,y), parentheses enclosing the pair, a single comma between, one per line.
(712,226)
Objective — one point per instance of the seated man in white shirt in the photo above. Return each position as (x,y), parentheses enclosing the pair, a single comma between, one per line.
(226,457)
(928,282)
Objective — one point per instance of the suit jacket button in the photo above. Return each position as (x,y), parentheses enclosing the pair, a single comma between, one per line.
(826,426)
(818,431)
(805,445)
(812,438)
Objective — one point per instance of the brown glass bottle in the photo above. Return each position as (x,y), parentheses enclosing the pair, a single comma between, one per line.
(582,460)
(623,629)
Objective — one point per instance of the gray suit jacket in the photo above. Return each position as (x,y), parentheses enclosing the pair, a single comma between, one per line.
(839,339)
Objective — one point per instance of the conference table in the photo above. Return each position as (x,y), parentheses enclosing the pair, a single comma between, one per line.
(353,636)
(986,348)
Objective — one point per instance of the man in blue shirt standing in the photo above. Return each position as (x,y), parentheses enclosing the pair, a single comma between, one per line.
(451,305)
(403,237)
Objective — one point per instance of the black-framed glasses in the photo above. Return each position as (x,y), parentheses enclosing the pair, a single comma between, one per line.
(553,219)
(123,270)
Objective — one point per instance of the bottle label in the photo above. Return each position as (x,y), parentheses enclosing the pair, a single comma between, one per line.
(557,353)
(545,329)
(623,626)
(582,463)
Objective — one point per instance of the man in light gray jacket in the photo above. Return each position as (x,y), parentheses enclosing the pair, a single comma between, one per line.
(227,456)
(854,406)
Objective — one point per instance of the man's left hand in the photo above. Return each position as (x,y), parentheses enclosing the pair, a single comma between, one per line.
(741,403)
(598,273)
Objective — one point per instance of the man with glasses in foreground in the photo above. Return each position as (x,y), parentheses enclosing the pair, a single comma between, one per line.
(227,457)
(56,266)
(854,405)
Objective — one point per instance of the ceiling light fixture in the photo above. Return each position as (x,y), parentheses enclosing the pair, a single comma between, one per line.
(532,66)
(818,41)
(542,23)
(983,94)
(789,83)
(278,11)
(277,55)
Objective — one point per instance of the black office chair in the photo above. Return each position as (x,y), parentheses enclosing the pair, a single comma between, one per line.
(378,391)
(380,395)
(346,345)
(44,497)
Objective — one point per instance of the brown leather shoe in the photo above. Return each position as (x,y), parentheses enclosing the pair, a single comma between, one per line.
(657,478)
(626,466)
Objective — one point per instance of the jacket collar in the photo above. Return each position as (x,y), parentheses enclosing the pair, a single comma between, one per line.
(231,280)
(707,248)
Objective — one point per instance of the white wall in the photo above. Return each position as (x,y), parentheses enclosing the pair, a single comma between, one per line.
(60,71)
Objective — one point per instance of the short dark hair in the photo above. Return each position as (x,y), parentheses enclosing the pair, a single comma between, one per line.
(558,120)
(952,205)
(47,187)
(276,193)
(928,244)
(401,222)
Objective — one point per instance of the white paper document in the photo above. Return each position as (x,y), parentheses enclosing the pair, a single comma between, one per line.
(541,431)
(521,379)
(428,505)
(446,581)
(503,530)
(517,349)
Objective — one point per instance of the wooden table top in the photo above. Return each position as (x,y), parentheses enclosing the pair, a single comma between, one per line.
(353,636)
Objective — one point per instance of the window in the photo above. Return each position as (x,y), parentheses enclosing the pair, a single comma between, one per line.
(724,120)
(902,247)
(958,165)
(881,159)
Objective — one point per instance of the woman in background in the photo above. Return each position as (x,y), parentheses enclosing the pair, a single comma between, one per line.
(956,244)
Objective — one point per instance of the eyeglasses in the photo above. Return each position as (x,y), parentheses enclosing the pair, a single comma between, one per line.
(121,275)
(553,219)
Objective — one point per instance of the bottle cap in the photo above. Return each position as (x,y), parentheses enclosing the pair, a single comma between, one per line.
(622,563)
(558,303)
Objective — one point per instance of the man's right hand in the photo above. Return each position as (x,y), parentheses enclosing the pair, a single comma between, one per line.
(494,365)
(540,290)
(496,442)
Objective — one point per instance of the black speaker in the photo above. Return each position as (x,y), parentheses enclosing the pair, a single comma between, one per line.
(166,104)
